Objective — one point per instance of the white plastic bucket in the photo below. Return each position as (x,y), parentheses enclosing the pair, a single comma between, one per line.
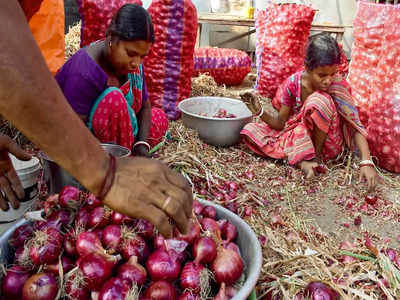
(28,173)
(261,4)
(220,6)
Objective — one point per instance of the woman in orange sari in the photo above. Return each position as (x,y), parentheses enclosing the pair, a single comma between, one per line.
(317,117)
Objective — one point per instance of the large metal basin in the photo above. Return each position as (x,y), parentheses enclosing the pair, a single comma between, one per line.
(221,132)
(247,241)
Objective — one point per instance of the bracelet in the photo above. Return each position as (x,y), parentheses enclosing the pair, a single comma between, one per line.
(366,162)
(141,143)
(109,179)
(261,112)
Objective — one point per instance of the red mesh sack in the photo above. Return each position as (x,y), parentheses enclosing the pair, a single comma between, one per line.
(226,66)
(287,28)
(384,105)
(369,29)
(96,16)
(169,65)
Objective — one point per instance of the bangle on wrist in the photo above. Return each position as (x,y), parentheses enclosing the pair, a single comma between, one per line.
(141,143)
(366,162)
(261,112)
(109,179)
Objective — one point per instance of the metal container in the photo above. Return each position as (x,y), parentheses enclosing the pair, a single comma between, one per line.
(247,241)
(220,132)
(56,177)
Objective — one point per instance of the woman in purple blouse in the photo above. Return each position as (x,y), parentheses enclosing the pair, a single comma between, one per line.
(104,84)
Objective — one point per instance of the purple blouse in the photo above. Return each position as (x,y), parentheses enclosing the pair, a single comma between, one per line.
(82,81)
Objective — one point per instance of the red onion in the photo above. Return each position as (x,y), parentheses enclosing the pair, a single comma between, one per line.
(193,233)
(162,266)
(371,199)
(13,282)
(204,250)
(75,287)
(230,291)
(54,268)
(97,269)
(50,204)
(114,289)
(317,290)
(228,230)
(99,217)
(197,207)
(357,221)
(46,246)
(276,220)
(20,235)
(40,286)
(209,212)
(231,186)
(134,245)
(194,277)
(145,229)
(111,238)
(88,242)
(22,257)
(69,197)
(211,226)
(161,290)
(176,248)
(60,218)
(119,219)
(232,246)
(98,232)
(189,296)
(227,266)
(232,206)
(70,243)
(392,254)
(132,272)
(82,218)
(221,293)
(159,242)
(92,202)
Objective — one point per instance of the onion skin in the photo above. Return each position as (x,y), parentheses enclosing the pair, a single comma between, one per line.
(189,296)
(228,230)
(114,289)
(145,229)
(76,289)
(160,290)
(161,266)
(13,282)
(40,286)
(135,246)
(211,226)
(98,218)
(49,250)
(204,250)
(82,218)
(111,237)
(227,266)
(190,277)
(88,242)
(20,235)
(317,290)
(132,272)
(197,207)
(70,243)
(92,202)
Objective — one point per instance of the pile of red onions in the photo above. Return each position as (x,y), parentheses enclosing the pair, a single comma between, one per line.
(100,254)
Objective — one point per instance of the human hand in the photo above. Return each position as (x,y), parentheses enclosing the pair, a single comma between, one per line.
(251,102)
(308,168)
(369,173)
(148,189)
(10,185)
(142,150)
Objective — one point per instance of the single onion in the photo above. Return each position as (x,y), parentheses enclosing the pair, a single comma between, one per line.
(197,207)
(88,242)
(134,245)
(97,269)
(211,226)
(163,266)
(194,277)
(160,290)
(209,212)
(119,219)
(193,233)
(317,290)
(46,246)
(176,248)
(20,235)
(40,286)
(69,197)
(54,268)
(145,229)
(204,250)
(13,282)
(75,286)
(371,199)
(99,217)
(228,230)
(70,243)
(232,246)
(82,218)
(114,289)
(58,219)
(189,296)
(227,266)
(111,238)
(132,272)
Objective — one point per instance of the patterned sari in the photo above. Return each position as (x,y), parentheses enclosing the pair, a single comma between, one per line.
(333,112)
(113,115)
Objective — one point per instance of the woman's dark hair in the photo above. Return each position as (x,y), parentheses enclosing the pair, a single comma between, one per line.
(322,50)
(131,23)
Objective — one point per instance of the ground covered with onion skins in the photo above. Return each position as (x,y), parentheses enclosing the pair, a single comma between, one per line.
(326,229)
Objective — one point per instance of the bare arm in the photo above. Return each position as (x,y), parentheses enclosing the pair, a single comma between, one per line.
(31,99)
(278,122)
(367,172)
(144,118)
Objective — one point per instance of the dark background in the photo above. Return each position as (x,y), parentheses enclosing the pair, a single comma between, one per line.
(71,13)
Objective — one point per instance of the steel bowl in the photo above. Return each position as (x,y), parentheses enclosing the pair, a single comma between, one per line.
(56,177)
(247,241)
(220,132)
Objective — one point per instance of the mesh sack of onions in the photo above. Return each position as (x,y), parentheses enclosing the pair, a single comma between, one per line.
(169,65)
(96,15)
(369,30)
(384,106)
(283,43)
(97,252)
(226,66)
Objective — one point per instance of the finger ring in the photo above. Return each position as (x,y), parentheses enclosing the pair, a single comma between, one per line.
(166,202)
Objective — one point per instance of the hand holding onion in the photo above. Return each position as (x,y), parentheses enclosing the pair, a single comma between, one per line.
(370,175)
(148,189)
(251,102)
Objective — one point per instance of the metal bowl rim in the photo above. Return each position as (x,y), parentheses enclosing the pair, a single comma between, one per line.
(211,118)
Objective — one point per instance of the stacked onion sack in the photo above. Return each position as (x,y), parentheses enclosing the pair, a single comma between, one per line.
(86,251)
(226,66)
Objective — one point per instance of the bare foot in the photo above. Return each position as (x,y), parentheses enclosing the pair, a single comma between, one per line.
(307,168)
